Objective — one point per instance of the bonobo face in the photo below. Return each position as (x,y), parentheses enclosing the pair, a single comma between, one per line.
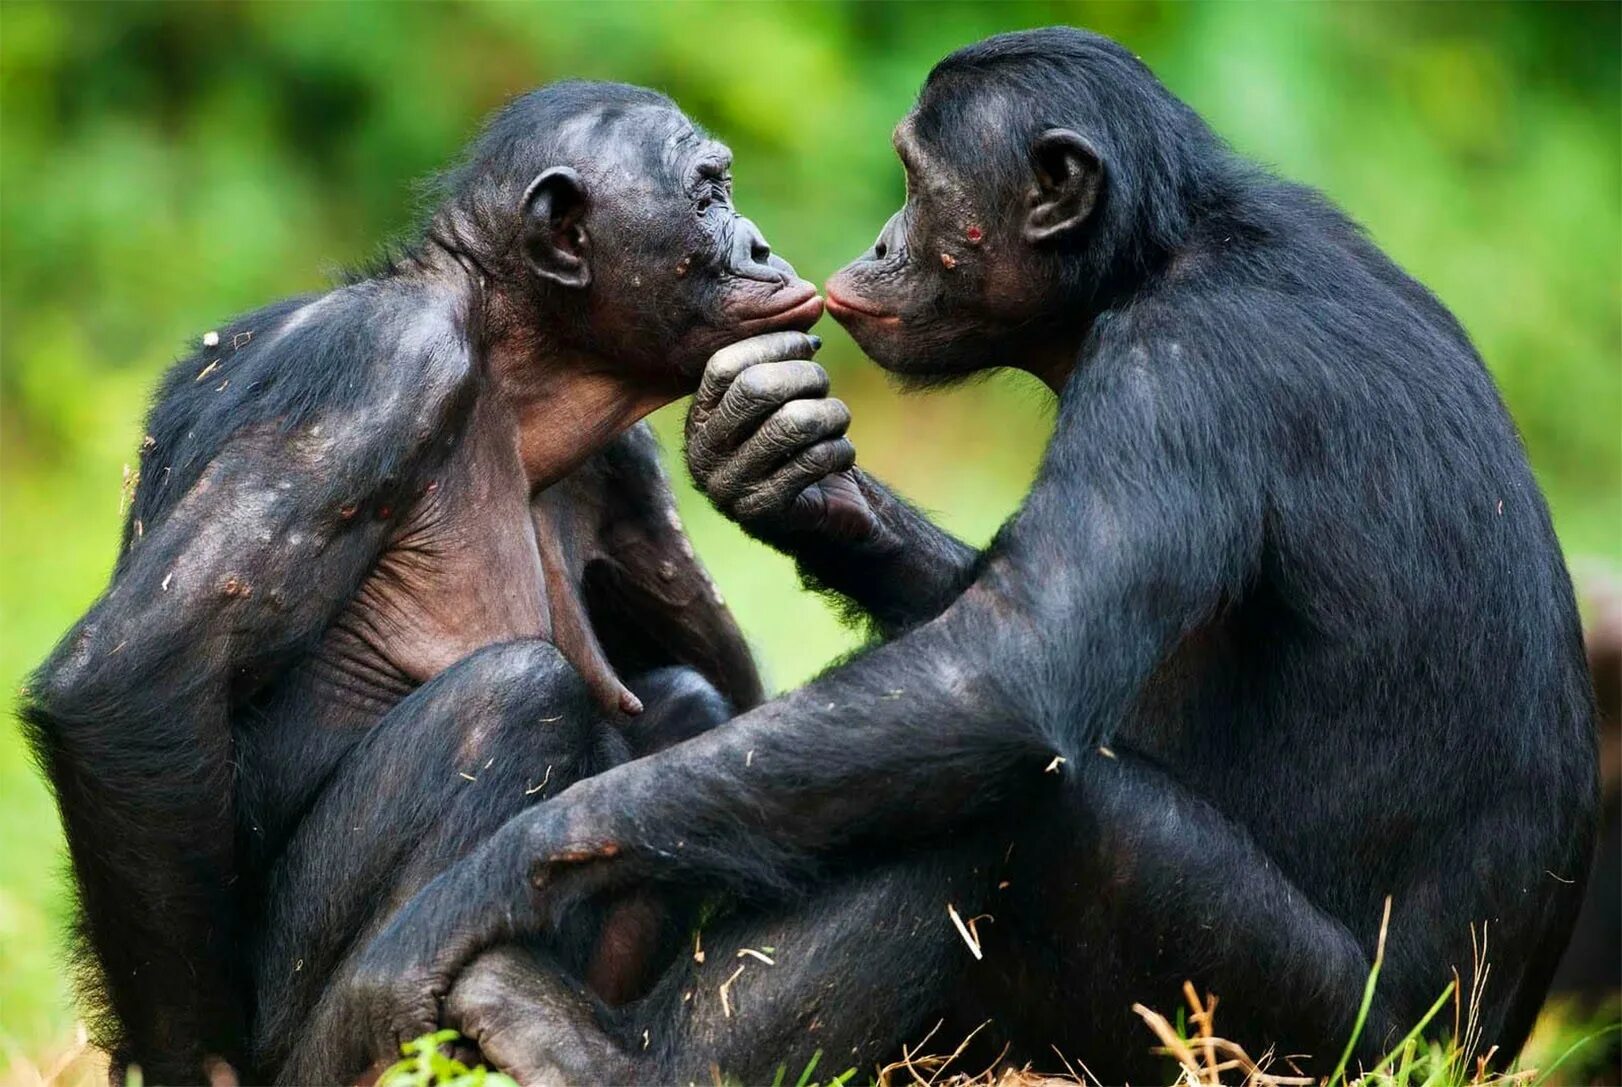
(966,275)
(669,270)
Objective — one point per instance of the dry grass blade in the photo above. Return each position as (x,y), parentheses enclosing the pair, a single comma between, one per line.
(1171,1043)
(725,990)
(963,931)
(912,1064)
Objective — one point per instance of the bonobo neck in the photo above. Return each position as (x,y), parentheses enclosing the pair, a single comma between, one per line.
(1050,354)
(566,408)
(567,404)
(1055,364)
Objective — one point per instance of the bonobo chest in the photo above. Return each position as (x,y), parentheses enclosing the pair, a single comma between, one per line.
(461,570)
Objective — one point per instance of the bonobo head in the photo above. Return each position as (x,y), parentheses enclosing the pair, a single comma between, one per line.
(1048,172)
(602,220)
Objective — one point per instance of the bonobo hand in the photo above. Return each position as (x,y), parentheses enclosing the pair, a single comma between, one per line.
(767,443)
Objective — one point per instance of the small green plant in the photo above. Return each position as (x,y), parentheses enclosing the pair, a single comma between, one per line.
(426,1064)
(1207,1060)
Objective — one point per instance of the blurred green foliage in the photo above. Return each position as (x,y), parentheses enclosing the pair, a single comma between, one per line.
(164,166)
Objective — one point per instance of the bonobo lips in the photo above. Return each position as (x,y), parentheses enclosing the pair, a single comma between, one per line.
(843,307)
(795,307)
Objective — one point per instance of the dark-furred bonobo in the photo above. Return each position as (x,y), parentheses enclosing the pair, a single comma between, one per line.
(367,523)
(1281,629)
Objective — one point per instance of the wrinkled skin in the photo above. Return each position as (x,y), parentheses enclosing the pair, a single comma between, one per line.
(640,219)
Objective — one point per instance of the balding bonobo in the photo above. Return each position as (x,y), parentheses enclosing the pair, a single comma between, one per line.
(1281,629)
(397,569)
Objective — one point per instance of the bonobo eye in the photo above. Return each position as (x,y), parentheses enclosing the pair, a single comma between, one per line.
(714,187)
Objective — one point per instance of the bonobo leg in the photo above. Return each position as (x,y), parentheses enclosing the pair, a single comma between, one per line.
(1137,885)
(1111,891)
(871,962)
(497,732)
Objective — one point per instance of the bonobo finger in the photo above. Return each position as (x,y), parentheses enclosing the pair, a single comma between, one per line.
(611,695)
(727,363)
(779,491)
(757,393)
(795,426)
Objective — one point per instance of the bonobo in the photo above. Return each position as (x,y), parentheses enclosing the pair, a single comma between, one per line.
(1281,629)
(392,550)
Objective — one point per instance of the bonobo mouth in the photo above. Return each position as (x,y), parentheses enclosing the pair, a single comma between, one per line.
(842,307)
(797,308)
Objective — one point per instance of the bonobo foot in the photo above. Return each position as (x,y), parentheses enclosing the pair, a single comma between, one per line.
(518,883)
(530,1023)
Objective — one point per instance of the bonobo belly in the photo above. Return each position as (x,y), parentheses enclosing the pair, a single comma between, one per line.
(454,582)
(461,571)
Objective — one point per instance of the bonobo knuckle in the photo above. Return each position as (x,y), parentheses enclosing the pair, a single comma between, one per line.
(760,383)
(833,456)
(803,417)
(761,502)
(702,459)
(768,347)
(782,380)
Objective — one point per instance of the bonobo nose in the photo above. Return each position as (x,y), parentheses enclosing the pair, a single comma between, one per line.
(891,241)
(752,257)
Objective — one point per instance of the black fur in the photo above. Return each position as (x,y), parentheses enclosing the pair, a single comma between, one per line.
(1282,629)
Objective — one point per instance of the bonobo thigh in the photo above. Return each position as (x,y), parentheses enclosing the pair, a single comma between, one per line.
(1106,885)
(499,731)
(868,963)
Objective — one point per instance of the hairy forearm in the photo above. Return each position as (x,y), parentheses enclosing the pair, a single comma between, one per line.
(914,739)
(151,833)
(901,575)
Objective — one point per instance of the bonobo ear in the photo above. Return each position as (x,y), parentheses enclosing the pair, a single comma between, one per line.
(555,240)
(1069,177)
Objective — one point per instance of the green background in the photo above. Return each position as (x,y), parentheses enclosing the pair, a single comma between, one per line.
(162,167)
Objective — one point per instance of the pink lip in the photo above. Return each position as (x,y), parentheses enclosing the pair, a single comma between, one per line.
(799,311)
(844,307)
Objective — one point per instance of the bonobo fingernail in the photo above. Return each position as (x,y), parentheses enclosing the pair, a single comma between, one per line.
(816,343)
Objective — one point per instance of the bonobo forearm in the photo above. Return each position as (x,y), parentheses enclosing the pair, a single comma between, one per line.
(902,575)
(916,738)
(143,787)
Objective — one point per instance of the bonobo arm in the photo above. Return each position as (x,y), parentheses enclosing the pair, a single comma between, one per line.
(649,596)
(131,715)
(767,444)
(1141,521)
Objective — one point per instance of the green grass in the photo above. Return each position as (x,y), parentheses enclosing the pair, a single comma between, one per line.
(424,1063)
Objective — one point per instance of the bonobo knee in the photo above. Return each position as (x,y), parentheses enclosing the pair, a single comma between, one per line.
(679,703)
(526,689)
(515,677)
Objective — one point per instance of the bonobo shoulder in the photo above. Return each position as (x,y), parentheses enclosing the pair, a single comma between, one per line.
(364,379)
